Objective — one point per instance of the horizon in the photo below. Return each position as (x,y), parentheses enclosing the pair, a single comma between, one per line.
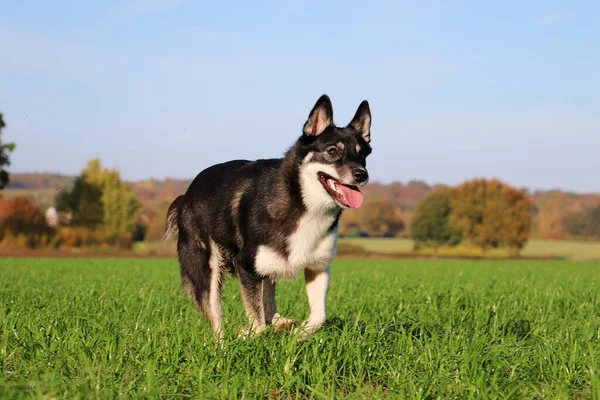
(530,190)
(159,88)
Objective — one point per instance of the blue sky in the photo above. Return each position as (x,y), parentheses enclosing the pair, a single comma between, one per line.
(165,88)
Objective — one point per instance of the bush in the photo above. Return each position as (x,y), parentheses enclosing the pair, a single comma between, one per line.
(22,224)
(431,224)
(77,236)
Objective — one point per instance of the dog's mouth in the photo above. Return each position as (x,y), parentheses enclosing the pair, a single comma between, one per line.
(346,195)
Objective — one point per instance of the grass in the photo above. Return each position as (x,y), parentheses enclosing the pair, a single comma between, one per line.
(571,250)
(106,328)
(566,249)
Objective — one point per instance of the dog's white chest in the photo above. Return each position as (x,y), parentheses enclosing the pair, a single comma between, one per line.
(312,246)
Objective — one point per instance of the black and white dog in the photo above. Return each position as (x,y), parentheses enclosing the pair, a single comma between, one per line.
(266,220)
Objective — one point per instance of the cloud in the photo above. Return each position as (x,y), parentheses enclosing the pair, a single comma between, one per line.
(147,6)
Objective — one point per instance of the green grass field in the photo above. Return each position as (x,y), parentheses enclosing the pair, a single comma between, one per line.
(105,328)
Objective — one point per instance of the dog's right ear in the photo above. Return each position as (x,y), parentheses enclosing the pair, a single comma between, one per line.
(320,117)
(362,121)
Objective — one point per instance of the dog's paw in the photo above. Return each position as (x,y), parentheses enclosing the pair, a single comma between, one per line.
(307,328)
(243,332)
(282,324)
(246,332)
(302,333)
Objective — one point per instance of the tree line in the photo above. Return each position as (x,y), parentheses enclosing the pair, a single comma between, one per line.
(98,208)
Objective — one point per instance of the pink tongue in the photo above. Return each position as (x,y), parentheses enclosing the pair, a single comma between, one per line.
(354,198)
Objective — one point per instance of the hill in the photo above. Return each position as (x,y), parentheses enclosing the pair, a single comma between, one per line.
(40,180)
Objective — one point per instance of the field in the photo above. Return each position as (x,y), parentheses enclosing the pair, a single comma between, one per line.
(105,328)
(565,249)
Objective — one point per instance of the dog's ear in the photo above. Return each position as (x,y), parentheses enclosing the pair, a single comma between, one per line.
(362,121)
(320,117)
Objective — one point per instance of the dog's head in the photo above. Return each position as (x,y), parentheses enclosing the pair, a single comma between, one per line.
(334,158)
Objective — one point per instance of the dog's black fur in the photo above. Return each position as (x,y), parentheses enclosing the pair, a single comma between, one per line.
(231,209)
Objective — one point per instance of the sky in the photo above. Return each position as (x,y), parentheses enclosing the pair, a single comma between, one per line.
(166,88)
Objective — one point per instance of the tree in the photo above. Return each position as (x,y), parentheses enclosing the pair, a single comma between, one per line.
(380,218)
(583,224)
(84,201)
(22,223)
(431,224)
(121,207)
(156,227)
(593,225)
(490,213)
(100,199)
(5,148)
(575,223)
(468,208)
(517,218)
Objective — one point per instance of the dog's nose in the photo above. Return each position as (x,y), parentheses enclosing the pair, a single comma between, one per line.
(360,175)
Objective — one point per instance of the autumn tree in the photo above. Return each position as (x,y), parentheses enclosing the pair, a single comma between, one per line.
(379,218)
(490,213)
(100,199)
(121,207)
(349,226)
(22,223)
(156,227)
(593,228)
(5,148)
(517,216)
(431,224)
(468,206)
(583,224)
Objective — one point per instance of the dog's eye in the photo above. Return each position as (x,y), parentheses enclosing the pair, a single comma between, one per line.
(332,151)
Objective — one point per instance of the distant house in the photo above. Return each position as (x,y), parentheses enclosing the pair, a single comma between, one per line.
(55,218)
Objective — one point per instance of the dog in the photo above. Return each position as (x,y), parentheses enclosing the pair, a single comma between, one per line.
(266,220)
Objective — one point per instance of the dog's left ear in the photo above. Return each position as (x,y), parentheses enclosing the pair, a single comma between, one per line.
(362,121)
(320,117)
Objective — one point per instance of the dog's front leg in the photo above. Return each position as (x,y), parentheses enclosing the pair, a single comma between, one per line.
(252,294)
(272,317)
(317,284)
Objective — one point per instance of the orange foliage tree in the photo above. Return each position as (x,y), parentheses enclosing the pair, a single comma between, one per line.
(379,218)
(156,227)
(490,213)
(22,223)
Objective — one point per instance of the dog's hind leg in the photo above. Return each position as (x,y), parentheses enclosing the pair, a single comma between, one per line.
(201,276)
(272,317)
(215,308)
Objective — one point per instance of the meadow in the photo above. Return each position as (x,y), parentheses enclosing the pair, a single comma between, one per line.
(419,329)
(563,249)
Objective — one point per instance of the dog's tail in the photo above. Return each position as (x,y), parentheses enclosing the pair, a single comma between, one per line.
(171,227)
